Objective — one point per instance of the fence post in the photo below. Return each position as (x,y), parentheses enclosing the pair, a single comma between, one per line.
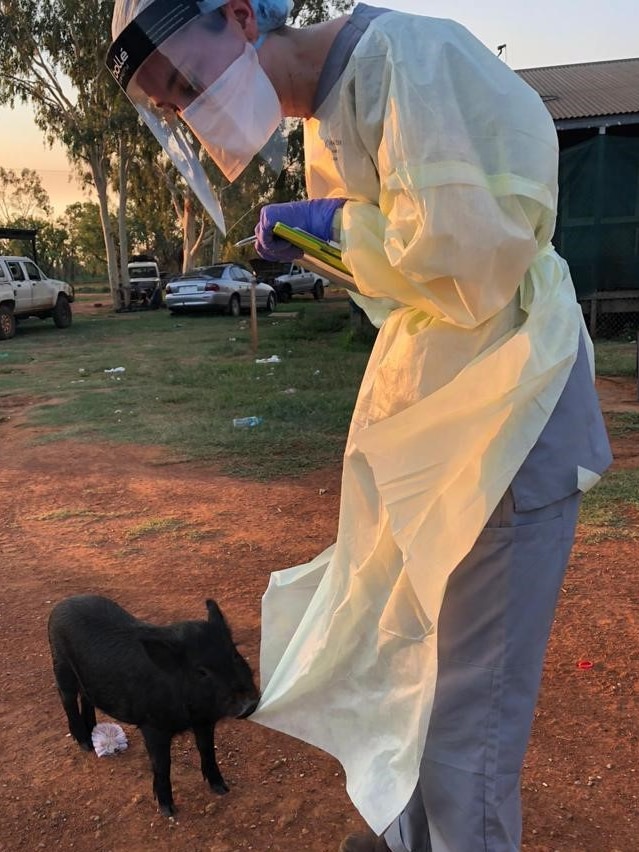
(593,316)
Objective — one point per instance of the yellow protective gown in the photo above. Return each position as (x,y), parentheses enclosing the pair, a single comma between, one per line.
(450,161)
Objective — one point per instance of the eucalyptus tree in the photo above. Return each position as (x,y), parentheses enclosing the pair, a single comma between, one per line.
(153,223)
(82,222)
(314,11)
(55,253)
(53,245)
(52,58)
(22,196)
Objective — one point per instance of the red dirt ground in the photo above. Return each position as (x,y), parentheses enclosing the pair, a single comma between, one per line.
(72,516)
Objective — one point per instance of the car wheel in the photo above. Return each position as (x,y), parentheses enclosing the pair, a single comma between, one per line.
(155,301)
(234,306)
(271,303)
(286,294)
(318,290)
(7,322)
(62,312)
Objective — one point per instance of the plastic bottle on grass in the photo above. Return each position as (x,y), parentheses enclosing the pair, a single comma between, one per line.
(246,422)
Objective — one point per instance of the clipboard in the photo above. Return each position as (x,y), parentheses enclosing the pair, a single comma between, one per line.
(319,256)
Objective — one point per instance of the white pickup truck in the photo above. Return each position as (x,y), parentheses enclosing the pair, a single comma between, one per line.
(289,279)
(25,291)
(145,280)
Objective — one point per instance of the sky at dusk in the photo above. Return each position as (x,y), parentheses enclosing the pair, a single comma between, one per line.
(546,32)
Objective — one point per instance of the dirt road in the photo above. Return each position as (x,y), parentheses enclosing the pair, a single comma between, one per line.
(159,538)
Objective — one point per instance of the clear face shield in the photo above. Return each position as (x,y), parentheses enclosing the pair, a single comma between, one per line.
(181,66)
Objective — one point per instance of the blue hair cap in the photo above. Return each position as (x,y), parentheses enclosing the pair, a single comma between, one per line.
(271,14)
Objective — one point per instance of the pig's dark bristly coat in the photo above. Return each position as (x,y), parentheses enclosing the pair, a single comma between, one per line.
(164,679)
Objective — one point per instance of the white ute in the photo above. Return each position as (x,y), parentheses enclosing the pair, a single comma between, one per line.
(25,291)
(145,280)
(289,279)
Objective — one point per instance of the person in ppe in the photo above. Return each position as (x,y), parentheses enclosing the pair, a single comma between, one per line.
(216,84)
(412,648)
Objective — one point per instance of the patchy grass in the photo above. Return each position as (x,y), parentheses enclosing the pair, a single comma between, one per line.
(66,514)
(622,423)
(609,510)
(154,526)
(178,383)
(616,358)
(185,379)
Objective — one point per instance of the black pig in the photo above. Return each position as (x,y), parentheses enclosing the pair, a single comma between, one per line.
(162,679)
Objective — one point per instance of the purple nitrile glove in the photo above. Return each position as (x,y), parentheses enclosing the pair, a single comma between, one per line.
(315,217)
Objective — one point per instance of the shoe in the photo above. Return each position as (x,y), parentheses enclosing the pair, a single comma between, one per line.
(363,843)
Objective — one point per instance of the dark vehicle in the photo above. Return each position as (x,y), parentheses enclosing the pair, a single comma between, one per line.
(163,679)
(223,287)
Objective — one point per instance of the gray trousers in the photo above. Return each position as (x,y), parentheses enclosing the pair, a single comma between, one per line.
(493,631)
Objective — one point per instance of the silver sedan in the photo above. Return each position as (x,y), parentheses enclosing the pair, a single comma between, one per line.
(223,287)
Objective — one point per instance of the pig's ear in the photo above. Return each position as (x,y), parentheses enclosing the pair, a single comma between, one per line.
(165,654)
(215,613)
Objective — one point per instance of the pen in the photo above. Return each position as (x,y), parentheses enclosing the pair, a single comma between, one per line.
(245,242)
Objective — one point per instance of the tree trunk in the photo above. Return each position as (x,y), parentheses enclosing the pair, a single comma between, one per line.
(99,178)
(122,232)
(216,245)
(189,239)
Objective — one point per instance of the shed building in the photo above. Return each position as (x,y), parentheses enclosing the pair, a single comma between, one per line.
(595,107)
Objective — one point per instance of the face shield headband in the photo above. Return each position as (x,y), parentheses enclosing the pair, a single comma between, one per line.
(163,73)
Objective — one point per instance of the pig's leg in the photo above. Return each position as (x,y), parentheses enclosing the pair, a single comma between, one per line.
(210,770)
(68,687)
(158,745)
(88,712)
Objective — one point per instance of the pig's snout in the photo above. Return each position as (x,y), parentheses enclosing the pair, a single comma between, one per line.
(247,707)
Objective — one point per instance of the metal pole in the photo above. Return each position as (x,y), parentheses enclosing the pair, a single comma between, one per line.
(253,318)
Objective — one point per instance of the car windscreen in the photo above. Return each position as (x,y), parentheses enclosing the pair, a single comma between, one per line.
(143,272)
(212,271)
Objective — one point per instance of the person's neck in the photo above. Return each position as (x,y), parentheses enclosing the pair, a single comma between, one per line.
(293,59)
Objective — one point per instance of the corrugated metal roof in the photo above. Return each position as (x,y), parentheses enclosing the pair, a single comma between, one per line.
(588,89)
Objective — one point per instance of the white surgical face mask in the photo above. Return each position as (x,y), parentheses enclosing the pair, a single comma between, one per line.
(236,115)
